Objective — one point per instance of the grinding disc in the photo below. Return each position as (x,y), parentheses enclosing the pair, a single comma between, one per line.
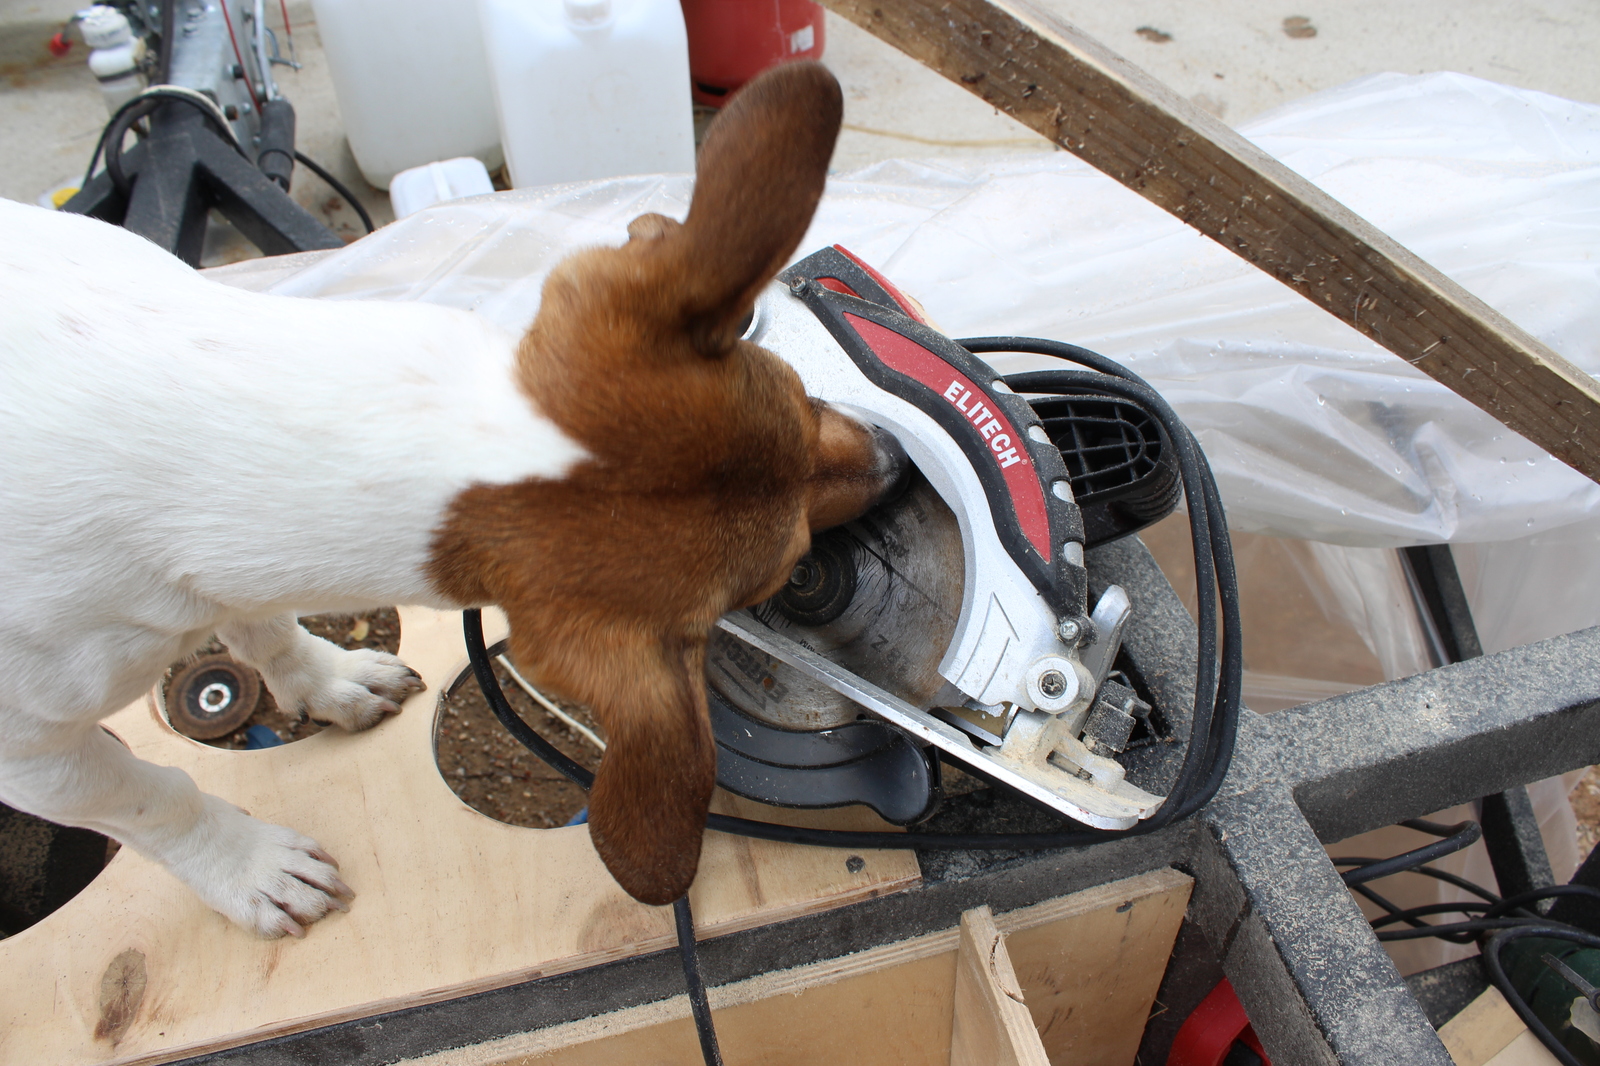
(212,697)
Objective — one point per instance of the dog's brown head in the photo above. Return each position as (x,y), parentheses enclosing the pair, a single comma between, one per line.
(711,468)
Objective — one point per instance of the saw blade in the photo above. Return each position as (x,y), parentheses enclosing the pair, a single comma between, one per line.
(880,597)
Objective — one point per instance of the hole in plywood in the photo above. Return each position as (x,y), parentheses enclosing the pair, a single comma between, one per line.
(211,690)
(42,866)
(494,774)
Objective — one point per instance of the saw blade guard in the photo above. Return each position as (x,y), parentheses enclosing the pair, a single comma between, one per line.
(958,611)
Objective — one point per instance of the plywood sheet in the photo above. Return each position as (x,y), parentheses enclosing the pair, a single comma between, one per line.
(1489,1033)
(136,969)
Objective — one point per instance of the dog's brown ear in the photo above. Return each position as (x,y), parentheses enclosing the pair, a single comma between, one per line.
(647,809)
(760,174)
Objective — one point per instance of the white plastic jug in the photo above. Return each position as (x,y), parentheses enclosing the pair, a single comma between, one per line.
(590,88)
(412,82)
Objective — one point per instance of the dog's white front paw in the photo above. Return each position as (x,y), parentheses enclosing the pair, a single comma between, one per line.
(306,674)
(269,879)
(363,686)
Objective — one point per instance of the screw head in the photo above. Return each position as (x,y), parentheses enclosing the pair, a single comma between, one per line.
(1053,683)
(1069,632)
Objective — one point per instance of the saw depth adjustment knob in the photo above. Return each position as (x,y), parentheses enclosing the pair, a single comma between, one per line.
(822,583)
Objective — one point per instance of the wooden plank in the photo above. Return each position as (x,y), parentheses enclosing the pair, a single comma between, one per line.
(1484,1030)
(894,1004)
(1525,1050)
(450,901)
(992,1026)
(1072,90)
(1090,984)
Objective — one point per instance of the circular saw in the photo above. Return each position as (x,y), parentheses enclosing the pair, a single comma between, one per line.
(952,620)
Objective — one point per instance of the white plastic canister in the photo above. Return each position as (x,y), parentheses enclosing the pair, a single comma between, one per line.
(435,183)
(411,80)
(590,88)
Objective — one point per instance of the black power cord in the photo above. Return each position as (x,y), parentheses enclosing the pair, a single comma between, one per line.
(1218,667)
(1497,922)
(122,120)
(337,186)
(699,1005)
(110,143)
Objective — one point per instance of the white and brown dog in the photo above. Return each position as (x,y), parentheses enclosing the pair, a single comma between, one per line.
(179,459)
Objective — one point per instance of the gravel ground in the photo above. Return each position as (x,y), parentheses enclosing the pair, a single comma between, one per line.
(480,761)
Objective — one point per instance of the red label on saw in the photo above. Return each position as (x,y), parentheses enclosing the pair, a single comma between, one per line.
(1000,439)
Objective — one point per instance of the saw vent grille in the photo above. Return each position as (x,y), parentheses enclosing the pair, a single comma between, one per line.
(1120,462)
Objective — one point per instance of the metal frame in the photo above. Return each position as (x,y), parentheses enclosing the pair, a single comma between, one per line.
(181,171)
(1269,910)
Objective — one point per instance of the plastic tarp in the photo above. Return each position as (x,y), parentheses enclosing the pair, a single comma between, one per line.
(1313,430)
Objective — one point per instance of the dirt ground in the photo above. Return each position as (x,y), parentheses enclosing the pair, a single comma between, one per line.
(494,774)
(490,771)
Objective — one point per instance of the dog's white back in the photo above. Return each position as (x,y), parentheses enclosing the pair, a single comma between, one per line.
(177,453)
(179,459)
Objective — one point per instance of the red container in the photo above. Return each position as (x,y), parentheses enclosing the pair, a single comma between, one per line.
(731,41)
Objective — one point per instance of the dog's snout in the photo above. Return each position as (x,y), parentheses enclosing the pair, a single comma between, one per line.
(858,464)
(894,466)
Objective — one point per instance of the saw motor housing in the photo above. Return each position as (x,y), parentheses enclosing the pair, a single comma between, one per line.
(954,617)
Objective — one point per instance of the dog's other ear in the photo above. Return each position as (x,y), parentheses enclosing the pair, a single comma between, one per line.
(760,174)
(652,227)
(647,809)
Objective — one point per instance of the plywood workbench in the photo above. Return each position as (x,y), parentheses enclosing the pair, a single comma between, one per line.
(135,969)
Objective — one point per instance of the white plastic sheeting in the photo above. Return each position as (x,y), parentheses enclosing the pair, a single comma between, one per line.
(1314,431)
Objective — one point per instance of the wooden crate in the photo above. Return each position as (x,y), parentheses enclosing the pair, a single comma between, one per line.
(1067,981)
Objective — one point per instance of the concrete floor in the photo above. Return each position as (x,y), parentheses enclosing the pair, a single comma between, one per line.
(1236,58)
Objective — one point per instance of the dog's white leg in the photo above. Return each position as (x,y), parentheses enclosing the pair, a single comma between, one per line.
(266,878)
(350,689)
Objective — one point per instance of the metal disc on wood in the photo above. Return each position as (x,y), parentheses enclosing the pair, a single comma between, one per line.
(212,697)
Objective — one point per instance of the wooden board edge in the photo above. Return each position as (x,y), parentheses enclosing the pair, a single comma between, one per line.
(676,1008)
(1128,890)
(990,1025)
(553,968)
(792,982)
(1483,1029)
